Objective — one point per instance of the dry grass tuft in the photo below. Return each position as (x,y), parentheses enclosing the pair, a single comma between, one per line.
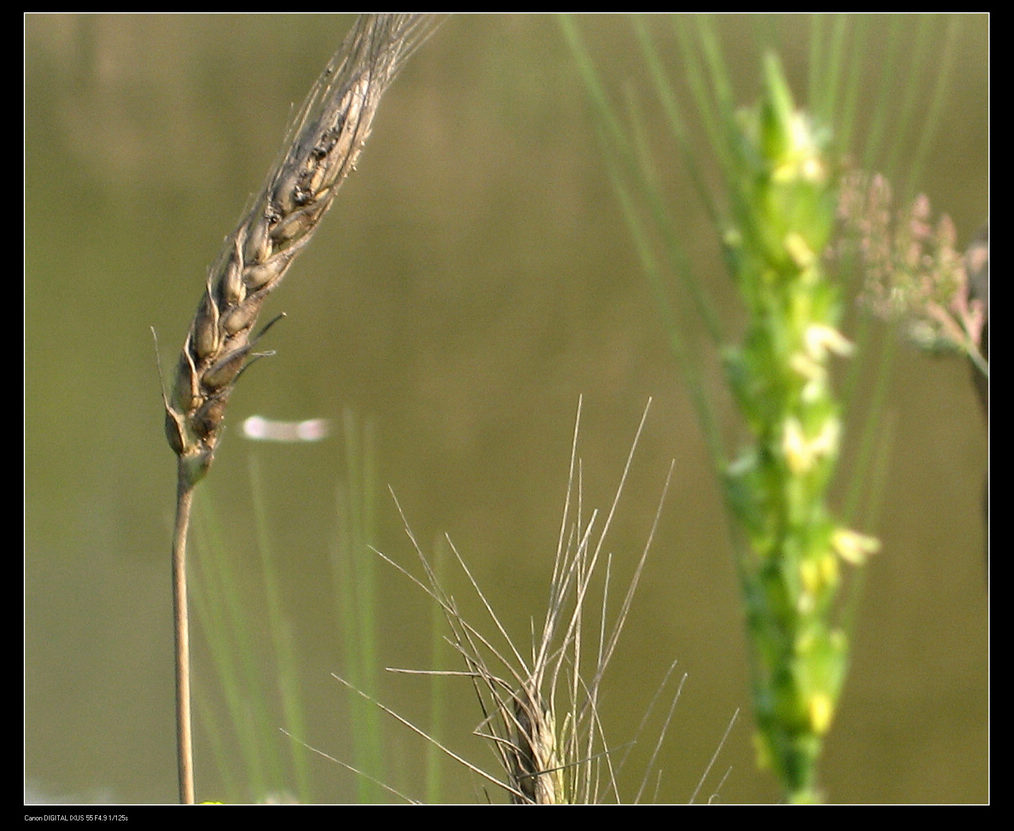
(540,712)
(536,769)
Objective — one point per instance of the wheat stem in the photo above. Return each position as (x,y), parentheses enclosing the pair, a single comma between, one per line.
(184,729)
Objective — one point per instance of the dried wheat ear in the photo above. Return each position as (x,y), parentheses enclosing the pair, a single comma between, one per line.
(321,150)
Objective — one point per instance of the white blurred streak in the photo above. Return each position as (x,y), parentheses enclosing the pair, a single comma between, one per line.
(258,428)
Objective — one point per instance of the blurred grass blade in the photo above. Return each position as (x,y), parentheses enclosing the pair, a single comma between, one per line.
(355,594)
(237,661)
(282,641)
(630,173)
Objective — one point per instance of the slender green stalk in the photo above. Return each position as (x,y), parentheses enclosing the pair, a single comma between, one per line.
(239,661)
(633,182)
(282,639)
(220,610)
(355,593)
(439,715)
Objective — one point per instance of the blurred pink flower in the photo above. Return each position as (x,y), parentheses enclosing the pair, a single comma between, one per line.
(914,275)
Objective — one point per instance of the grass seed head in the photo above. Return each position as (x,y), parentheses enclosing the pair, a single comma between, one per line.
(322,147)
(536,767)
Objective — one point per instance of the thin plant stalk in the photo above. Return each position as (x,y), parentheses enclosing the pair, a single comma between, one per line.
(281,634)
(239,660)
(181,630)
(321,149)
(356,592)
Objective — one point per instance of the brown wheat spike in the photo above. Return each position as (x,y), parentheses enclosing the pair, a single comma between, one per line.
(321,149)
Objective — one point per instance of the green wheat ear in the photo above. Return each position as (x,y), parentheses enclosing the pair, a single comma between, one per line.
(783,191)
(774,210)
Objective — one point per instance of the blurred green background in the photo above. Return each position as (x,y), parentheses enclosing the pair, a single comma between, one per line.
(473,279)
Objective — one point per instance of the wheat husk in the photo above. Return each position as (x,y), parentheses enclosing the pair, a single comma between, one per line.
(321,149)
